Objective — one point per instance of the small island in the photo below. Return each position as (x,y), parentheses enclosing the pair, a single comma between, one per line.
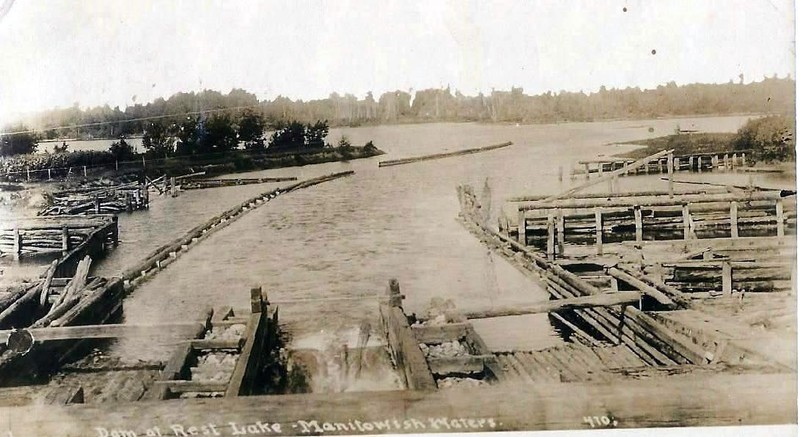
(215,144)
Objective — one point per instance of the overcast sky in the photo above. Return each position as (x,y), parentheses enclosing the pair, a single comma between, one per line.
(56,53)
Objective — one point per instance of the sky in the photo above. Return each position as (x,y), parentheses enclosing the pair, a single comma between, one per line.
(56,53)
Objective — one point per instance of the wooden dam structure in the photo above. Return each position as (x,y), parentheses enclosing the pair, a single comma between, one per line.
(664,164)
(648,289)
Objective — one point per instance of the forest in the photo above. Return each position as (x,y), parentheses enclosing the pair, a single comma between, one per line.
(771,95)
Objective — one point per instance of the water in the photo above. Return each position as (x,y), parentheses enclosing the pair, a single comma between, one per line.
(348,237)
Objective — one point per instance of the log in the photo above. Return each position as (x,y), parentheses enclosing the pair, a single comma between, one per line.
(643,287)
(31,293)
(393,162)
(60,333)
(46,283)
(596,300)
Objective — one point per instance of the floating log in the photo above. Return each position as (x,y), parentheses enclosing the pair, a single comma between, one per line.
(443,155)
(215,183)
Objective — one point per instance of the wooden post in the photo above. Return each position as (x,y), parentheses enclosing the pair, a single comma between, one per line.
(687,218)
(727,278)
(28,170)
(17,244)
(560,228)
(733,161)
(84,171)
(551,237)
(173,186)
(64,240)
(734,220)
(714,162)
(521,228)
(97,205)
(598,230)
(560,173)
(670,171)
(779,216)
(116,165)
(395,298)
(144,165)
(256,300)
(115,230)
(726,161)
(586,169)
(637,217)
(49,175)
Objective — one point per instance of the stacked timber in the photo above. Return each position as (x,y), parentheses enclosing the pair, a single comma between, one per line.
(695,162)
(39,236)
(104,200)
(640,217)
(616,324)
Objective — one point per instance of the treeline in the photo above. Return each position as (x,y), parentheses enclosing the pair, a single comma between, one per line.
(771,95)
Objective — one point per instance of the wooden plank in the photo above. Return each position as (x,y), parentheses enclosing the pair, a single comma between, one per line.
(560,221)
(734,220)
(201,344)
(597,300)
(637,217)
(440,333)
(178,386)
(100,331)
(779,217)
(598,230)
(461,365)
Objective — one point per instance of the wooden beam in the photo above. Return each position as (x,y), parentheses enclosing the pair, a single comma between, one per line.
(704,399)
(598,230)
(217,344)
(597,300)
(643,287)
(560,229)
(81,332)
(670,171)
(637,217)
(779,217)
(734,219)
(434,334)
(461,365)
(180,386)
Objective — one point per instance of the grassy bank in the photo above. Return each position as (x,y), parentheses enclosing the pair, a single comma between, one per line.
(684,144)
(101,163)
(243,162)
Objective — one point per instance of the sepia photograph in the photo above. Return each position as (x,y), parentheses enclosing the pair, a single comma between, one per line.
(346,217)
